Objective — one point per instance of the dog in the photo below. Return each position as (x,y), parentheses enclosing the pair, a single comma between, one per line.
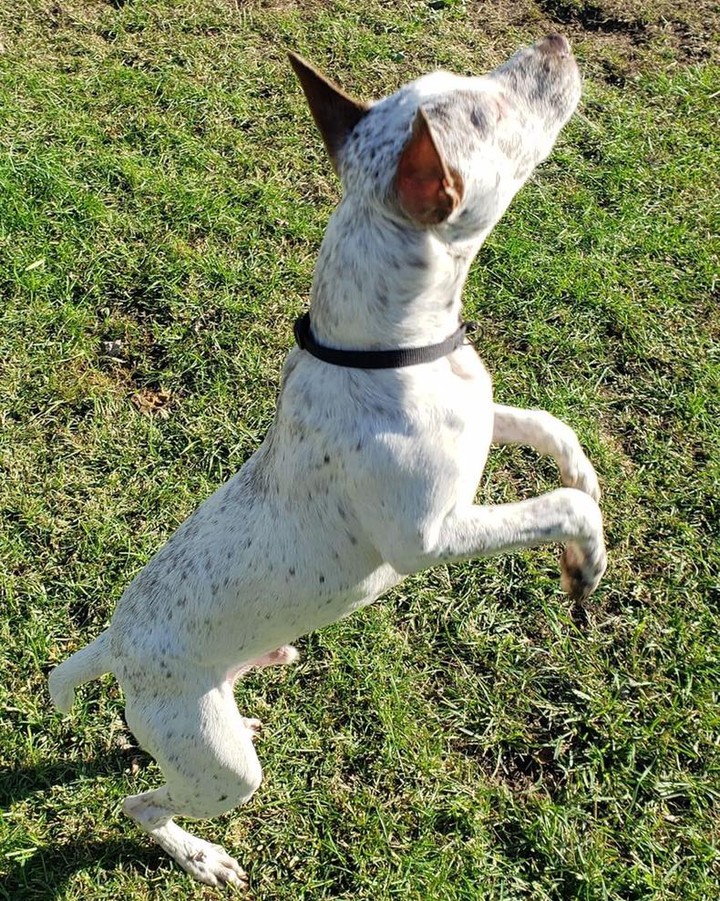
(369,471)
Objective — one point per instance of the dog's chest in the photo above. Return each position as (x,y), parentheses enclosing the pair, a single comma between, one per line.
(434,418)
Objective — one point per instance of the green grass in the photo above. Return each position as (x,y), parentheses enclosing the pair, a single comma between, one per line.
(475,736)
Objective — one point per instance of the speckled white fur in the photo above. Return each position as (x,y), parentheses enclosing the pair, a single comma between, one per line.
(365,476)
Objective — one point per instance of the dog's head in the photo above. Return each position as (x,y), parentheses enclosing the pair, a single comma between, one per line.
(447,151)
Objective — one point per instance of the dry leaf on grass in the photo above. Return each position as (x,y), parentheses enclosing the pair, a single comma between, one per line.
(151,402)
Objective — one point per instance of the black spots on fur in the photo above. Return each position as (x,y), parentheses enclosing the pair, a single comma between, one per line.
(326,459)
(453,422)
(352,539)
(291,571)
(479,121)
(222,798)
(321,580)
(341,512)
(359,446)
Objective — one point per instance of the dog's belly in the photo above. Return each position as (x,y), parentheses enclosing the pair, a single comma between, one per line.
(242,577)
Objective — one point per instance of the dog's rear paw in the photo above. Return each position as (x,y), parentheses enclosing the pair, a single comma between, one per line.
(254,725)
(282,657)
(212,865)
(581,571)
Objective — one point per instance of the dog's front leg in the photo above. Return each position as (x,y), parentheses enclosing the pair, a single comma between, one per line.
(550,436)
(565,515)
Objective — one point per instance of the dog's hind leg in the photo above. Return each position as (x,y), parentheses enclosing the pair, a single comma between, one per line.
(281,657)
(206,754)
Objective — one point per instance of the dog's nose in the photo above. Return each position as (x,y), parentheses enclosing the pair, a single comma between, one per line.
(555,43)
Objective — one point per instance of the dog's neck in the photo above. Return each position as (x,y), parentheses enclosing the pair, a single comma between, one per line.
(381,285)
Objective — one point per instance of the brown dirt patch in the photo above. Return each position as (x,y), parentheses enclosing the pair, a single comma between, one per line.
(622,37)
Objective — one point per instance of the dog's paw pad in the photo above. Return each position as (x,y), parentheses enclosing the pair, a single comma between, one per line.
(581,572)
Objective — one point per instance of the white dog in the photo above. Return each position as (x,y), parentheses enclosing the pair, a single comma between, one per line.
(383,425)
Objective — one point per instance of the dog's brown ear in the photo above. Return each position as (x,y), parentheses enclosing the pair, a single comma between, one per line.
(335,112)
(427,190)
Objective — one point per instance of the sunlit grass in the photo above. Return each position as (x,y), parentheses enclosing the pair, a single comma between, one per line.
(162,198)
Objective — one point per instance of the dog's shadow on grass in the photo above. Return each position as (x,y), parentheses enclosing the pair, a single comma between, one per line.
(43,875)
(43,872)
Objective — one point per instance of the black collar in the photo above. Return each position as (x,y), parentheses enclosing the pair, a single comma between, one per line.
(377,359)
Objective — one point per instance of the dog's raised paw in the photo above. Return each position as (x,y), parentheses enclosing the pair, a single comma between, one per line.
(582,476)
(581,572)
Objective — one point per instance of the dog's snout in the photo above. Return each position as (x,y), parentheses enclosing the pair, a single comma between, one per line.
(555,43)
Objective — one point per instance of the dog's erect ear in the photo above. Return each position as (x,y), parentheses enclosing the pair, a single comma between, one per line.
(334,112)
(428,192)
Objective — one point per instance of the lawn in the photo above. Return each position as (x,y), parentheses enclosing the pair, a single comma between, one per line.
(163,194)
